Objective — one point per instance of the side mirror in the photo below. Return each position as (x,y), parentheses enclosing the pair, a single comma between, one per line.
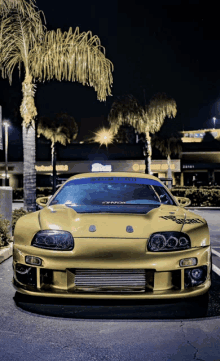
(183,201)
(42,201)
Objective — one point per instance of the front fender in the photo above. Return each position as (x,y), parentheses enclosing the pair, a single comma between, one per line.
(26,227)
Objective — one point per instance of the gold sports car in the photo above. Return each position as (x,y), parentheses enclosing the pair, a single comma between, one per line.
(113,236)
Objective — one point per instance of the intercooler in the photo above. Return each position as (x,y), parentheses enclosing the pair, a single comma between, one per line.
(112,280)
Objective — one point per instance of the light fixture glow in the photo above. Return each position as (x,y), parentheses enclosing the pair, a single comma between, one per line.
(6,123)
(214,118)
(104,136)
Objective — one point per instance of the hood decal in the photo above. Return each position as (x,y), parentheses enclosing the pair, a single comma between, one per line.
(181,220)
(193,220)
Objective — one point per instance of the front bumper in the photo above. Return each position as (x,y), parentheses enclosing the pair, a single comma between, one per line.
(156,276)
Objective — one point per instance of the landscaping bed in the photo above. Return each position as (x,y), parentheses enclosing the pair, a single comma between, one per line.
(40,192)
(207,196)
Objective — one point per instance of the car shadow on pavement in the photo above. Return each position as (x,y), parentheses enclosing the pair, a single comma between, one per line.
(123,309)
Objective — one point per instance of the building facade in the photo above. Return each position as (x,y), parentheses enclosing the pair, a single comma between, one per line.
(84,158)
(200,159)
(198,165)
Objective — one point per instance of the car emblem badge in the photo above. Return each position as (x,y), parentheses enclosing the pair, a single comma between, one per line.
(129,229)
(92,228)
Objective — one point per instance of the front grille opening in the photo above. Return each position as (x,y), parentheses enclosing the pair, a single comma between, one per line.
(26,275)
(46,278)
(149,280)
(176,279)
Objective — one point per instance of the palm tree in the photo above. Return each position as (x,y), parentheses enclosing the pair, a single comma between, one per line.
(167,146)
(61,128)
(147,120)
(45,55)
(126,134)
(159,107)
(126,110)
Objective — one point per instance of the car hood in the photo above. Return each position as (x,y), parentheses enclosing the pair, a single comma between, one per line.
(111,225)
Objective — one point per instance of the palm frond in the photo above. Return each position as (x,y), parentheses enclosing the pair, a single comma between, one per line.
(24,7)
(126,134)
(126,110)
(160,107)
(167,145)
(74,57)
(61,128)
(18,35)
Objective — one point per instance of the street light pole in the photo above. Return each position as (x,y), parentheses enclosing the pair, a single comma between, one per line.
(214,121)
(54,161)
(5,183)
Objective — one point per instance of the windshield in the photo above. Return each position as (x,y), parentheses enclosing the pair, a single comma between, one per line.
(112,191)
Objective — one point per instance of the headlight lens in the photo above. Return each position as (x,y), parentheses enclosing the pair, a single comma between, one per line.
(168,241)
(55,240)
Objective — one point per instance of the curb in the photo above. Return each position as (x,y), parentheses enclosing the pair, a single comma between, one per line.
(6,252)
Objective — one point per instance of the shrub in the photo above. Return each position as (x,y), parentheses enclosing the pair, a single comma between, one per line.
(44,192)
(40,192)
(4,232)
(200,197)
(18,193)
(16,214)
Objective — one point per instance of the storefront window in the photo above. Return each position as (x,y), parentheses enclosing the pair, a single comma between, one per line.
(44,180)
(217,178)
(196,179)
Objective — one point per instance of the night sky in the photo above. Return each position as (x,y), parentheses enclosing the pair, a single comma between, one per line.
(162,46)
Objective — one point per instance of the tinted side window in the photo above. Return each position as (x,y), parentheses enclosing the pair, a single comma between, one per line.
(164,196)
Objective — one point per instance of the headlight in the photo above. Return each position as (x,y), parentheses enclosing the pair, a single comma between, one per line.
(168,241)
(56,240)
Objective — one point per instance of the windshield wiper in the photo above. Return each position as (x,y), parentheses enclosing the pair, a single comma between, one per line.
(70,204)
(53,202)
(113,203)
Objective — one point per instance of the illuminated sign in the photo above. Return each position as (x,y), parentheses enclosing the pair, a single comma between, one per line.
(136,167)
(162,166)
(49,168)
(97,167)
(188,166)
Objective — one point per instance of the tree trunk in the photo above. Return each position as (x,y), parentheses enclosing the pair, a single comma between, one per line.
(149,153)
(29,171)
(146,157)
(28,113)
(54,159)
(169,172)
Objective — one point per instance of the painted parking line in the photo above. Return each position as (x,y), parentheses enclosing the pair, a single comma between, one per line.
(215,252)
(214,267)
